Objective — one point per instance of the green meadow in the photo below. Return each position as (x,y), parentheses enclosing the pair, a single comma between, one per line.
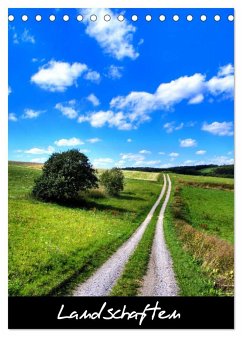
(52,245)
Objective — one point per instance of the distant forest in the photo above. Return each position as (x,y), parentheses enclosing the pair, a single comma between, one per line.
(226,171)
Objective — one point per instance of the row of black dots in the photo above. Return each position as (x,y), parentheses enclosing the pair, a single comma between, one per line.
(121,18)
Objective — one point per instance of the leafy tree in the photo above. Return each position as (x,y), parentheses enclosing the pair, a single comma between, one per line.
(64,176)
(113,181)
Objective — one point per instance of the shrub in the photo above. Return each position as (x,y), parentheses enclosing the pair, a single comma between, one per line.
(113,181)
(64,176)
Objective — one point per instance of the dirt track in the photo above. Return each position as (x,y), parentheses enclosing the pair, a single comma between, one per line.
(102,281)
(160,278)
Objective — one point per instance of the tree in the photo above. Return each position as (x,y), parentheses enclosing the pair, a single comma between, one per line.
(113,181)
(64,176)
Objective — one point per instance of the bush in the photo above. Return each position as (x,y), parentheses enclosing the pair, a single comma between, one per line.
(113,181)
(64,176)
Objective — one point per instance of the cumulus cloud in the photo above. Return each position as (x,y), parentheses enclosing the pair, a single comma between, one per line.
(196,99)
(30,113)
(68,109)
(173,154)
(57,76)
(188,142)
(69,142)
(223,83)
(128,112)
(37,150)
(220,129)
(171,126)
(114,37)
(94,140)
(12,117)
(226,70)
(114,72)
(93,76)
(93,99)
(201,152)
(100,162)
(145,152)
(109,118)
(147,163)
(132,157)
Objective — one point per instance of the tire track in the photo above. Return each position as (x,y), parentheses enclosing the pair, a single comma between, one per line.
(160,278)
(102,281)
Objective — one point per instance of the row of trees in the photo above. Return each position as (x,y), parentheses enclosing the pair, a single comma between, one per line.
(66,174)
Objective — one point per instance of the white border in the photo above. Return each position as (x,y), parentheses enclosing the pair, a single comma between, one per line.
(4,5)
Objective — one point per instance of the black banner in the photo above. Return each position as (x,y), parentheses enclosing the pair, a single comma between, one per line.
(121,312)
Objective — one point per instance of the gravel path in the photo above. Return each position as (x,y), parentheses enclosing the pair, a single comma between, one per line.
(160,278)
(102,281)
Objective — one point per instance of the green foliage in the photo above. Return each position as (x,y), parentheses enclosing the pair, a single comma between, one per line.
(113,181)
(54,247)
(64,176)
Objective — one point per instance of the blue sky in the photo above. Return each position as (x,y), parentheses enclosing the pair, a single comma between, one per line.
(125,93)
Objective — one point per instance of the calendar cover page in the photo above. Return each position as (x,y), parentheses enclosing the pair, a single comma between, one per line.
(121,168)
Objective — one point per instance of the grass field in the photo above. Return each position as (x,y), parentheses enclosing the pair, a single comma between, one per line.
(199,229)
(210,210)
(50,244)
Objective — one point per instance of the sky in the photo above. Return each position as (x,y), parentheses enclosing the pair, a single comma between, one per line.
(126,93)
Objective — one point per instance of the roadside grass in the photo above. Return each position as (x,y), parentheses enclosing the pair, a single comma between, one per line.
(131,279)
(204,263)
(52,247)
(210,210)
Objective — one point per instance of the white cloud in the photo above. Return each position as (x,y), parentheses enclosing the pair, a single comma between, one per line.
(161,152)
(93,99)
(102,162)
(128,112)
(170,127)
(114,72)
(147,163)
(223,83)
(101,118)
(132,157)
(58,76)
(145,152)
(197,99)
(216,160)
(188,142)
(68,109)
(94,140)
(69,142)
(36,150)
(9,90)
(30,114)
(226,70)
(39,160)
(23,37)
(114,37)
(173,154)
(129,140)
(222,160)
(201,152)
(93,76)
(12,117)
(220,129)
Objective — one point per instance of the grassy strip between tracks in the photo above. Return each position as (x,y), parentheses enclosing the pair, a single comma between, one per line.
(136,267)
